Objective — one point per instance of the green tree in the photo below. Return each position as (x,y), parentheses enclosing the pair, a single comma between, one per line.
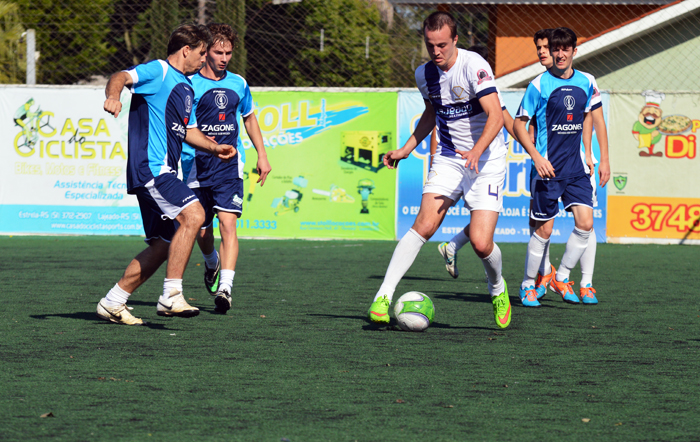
(71,37)
(12,65)
(346,25)
(163,18)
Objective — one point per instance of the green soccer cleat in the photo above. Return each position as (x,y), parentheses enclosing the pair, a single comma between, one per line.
(211,277)
(501,307)
(379,310)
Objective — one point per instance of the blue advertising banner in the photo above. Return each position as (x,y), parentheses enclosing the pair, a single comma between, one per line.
(513,221)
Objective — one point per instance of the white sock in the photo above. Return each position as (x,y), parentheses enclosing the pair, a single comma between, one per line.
(405,253)
(545,265)
(116,296)
(493,264)
(535,252)
(588,261)
(169,284)
(575,246)
(226,279)
(211,259)
(457,242)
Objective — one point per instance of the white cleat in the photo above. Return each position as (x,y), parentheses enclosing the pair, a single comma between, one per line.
(175,305)
(118,315)
(450,260)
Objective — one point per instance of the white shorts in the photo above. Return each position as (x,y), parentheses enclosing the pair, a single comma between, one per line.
(483,191)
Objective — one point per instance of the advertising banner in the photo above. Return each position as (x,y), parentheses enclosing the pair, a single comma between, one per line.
(63,164)
(513,221)
(656,188)
(327,179)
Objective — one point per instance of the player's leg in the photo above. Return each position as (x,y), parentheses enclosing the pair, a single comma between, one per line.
(448,250)
(205,240)
(576,198)
(113,306)
(182,211)
(483,196)
(586,291)
(433,209)
(229,257)
(443,188)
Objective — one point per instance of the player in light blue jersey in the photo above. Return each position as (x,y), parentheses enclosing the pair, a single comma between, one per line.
(560,102)
(160,111)
(221,99)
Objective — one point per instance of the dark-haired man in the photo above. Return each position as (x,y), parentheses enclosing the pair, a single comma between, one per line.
(560,100)
(221,98)
(158,123)
(461,97)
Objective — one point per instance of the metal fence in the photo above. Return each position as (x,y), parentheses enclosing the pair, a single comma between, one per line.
(627,45)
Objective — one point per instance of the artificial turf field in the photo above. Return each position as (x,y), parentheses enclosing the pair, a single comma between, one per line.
(296,359)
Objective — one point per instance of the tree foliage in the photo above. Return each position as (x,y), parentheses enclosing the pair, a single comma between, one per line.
(12,61)
(344,61)
(71,34)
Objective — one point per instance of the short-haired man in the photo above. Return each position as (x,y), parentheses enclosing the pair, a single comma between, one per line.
(460,95)
(221,98)
(172,215)
(546,271)
(560,100)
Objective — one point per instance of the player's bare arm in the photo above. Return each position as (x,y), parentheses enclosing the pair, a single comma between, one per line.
(199,141)
(544,167)
(424,127)
(508,124)
(253,129)
(601,133)
(586,138)
(494,124)
(113,92)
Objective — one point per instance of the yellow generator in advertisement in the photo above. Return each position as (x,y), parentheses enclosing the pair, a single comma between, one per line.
(365,149)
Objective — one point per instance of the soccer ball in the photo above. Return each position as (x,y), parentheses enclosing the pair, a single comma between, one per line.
(414,311)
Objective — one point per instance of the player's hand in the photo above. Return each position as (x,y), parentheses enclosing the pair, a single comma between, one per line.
(225,152)
(263,170)
(113,106)
(604,173)
(591,165)
(472,159)
(392,158)
(544,168)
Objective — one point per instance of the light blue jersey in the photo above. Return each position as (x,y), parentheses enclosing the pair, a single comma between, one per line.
(159,114)
(558,107)
(218,108)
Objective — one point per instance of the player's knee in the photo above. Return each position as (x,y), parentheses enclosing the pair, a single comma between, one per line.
(193,216)
(585,225)
(482,247)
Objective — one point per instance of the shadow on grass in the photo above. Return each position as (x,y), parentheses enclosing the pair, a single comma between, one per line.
(92,317)
(408,278)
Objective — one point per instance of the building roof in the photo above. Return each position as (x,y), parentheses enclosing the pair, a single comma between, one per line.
(609,39)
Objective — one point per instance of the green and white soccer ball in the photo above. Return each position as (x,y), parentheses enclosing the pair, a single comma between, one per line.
(414,311)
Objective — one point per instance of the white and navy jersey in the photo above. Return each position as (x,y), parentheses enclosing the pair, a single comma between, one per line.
(455,95)
(559,106)
(218,107)
(159,114)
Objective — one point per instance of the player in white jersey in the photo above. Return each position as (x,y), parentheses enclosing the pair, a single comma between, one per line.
(461,98)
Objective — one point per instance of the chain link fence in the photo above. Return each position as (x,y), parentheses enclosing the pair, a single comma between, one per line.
(627,45)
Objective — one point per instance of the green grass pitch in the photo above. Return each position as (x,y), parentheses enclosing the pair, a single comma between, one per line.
(295,359)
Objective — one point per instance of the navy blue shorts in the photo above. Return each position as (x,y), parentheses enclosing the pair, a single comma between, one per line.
(161,200)
(223,197)
(576,191)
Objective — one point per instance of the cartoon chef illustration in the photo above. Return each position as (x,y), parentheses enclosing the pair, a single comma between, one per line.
(645,129)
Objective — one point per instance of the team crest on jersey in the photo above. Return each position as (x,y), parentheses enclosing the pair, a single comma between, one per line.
(221,99)
(482,75)
(569,102)
(459,93)
(188,104)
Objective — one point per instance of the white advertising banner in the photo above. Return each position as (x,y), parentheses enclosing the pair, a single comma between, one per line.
(63,163)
